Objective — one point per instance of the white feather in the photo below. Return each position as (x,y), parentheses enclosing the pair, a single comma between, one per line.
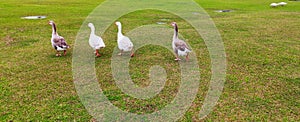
(61,49)
(124,43)
(282,3)
(273,4)
(96,42)
(183,53)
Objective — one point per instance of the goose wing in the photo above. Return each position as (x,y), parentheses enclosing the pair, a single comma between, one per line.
(101,42)
(96,42)
(125,43)
(60,42)
(181,45)
(93,41)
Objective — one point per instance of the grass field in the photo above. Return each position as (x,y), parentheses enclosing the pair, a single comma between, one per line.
(262,47)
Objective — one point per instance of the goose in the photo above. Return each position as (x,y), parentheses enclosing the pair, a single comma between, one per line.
(124,43)
(179,46)
(58,42)
(96,42)
(282,3)
(273,5)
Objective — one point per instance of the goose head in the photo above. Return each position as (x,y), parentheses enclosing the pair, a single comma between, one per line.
(51,22)
(91,25)
(118,23)
(173,24)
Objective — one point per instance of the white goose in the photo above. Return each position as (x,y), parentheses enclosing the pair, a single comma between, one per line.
(282,3)
(124,43)
(96,42)
(179,46)
(273,5)
(58,42)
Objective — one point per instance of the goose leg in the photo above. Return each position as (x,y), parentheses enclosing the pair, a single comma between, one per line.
(177,58)
(187,57)
(176,54)
(121,51)
(57,54)
(97,53)
(132,53)
(65,52)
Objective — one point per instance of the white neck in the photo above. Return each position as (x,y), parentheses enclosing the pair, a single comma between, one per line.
(92,30)
(120,31)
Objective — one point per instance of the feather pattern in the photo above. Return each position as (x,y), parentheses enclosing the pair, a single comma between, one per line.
(58,42)
(179,46)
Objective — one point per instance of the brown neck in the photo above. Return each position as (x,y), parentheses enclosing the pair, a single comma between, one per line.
(175,31)
(53,28)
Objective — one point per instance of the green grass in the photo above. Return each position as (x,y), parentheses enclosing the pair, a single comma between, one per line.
(262,46)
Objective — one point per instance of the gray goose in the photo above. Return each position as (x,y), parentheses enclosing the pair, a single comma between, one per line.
(179,46)
(58,42)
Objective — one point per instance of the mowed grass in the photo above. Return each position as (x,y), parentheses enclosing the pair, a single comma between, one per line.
(262,46)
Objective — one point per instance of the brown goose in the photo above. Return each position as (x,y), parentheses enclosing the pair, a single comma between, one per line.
(58,42)
(179,46)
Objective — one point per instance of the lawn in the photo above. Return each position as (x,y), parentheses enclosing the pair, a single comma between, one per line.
(262,47)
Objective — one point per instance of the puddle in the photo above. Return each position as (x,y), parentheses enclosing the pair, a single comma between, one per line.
(161,23)
(34,17)
(222,11)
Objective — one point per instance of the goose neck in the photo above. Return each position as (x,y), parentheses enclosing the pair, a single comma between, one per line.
(92,30)
(175,32)
(120,31)
(53,28)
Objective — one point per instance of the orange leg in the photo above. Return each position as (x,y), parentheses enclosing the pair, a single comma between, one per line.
(132,53)
(97,53)
(65,52)
(187,57)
